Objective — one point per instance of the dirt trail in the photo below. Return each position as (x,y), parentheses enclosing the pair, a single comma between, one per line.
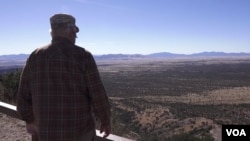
(12,129)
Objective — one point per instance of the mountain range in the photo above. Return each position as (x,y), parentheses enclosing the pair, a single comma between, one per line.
(15,57)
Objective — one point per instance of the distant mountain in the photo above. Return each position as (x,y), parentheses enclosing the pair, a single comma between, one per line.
(220,54)
(165,55)
(12,62)
(202,54)
(14,57)
(117,56)
(22,57)
(169,55)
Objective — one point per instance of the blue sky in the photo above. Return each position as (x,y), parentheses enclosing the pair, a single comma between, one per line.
(130,26)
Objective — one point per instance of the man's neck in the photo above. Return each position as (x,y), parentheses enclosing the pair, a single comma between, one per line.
(64,36)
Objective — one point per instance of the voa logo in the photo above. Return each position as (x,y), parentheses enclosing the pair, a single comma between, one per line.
(236,132)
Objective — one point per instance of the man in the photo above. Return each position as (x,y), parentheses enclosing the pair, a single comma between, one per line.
(60,88)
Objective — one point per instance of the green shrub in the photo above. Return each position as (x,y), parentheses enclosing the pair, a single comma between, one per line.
(9,83)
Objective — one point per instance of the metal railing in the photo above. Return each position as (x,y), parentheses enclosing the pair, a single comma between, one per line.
(10,110)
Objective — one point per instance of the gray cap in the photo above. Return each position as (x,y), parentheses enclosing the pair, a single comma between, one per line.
(62,20)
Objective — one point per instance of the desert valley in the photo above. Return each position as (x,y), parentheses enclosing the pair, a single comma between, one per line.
(172,98)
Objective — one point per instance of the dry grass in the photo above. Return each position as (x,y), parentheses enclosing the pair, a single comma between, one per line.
(159,105)
(167,97)
(238,95)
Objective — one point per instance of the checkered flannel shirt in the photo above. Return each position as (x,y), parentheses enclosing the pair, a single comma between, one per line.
(59,89)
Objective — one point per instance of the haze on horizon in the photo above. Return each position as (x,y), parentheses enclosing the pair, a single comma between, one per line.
(131,26)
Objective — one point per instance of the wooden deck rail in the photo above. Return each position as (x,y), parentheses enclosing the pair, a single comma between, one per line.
(10,110)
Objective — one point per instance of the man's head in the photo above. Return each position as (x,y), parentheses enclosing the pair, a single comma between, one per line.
(64,25)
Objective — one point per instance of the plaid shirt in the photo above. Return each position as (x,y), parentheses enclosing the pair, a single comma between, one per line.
(60,88)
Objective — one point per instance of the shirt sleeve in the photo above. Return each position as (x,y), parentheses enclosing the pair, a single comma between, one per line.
(97,92)
(24,100)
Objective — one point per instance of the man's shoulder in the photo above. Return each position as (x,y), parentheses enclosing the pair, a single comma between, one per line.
(41,49)
(81,49)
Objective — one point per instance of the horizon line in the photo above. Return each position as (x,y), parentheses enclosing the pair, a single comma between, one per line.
(144,54)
